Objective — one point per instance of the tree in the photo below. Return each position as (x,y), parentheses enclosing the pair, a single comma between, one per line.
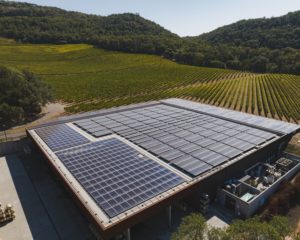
(217,64)
(281,225)
(252,229)
(192,227)
(297,67)
(22,95)
(259,64)
(217,234)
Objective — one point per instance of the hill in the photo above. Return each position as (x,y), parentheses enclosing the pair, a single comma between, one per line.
(274,33)
(39,24)
(29,23)
(91,78)
(258,45)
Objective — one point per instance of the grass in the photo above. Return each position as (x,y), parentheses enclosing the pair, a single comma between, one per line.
(91,78)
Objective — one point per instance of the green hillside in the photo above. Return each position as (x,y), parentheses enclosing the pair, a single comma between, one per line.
(259,45)
(274,33)
(91,78)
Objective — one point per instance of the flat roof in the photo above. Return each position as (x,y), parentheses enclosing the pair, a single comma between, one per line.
(171,143)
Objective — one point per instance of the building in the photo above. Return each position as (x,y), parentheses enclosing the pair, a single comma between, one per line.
(124,164)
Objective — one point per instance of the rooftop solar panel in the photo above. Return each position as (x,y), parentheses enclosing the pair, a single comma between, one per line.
(266,123)
(117,176)
(171,155)
(214,159)
(250,138)
(161,149)
(218,137)
(101,133)
(239,144)
(190,137)
(194,167)
(176,129)
(60,136)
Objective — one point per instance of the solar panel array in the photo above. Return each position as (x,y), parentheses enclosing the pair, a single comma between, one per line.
(60,136)
(191,141)
(117,176)
(266,123)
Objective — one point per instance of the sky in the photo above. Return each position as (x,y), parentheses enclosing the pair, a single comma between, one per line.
(183,17)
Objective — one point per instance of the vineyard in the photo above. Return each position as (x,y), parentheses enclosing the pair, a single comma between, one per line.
(89,78)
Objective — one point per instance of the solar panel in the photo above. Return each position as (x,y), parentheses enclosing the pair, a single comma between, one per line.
(168,132)
(261,134)
(239,144)
(271,124)
(250,138)
(231,132)
(189,148)
(117,176)
(225,150)
(204,142)
(60,136)
(171,154)
(177,143)
(214,159)
(193,137)
(161,149)
(194,167)
(101,133)
(218,137)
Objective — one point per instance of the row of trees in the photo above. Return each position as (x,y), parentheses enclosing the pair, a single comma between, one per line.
(194,227)
(22,96)
(132,33)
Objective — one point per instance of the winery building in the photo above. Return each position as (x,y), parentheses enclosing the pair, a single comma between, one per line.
(124,164)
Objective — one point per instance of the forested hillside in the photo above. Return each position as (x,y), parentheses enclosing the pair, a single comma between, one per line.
(273,33)
(127,32)
(262,45)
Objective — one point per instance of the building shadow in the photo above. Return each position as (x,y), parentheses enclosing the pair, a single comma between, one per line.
(48,209)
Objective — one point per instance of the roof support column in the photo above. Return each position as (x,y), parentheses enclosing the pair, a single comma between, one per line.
(169,211)
(128,234)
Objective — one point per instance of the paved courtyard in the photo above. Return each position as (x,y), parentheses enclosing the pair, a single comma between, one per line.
(43,208)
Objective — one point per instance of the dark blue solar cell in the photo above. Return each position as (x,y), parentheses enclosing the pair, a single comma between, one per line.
(60,136)
(122,179)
